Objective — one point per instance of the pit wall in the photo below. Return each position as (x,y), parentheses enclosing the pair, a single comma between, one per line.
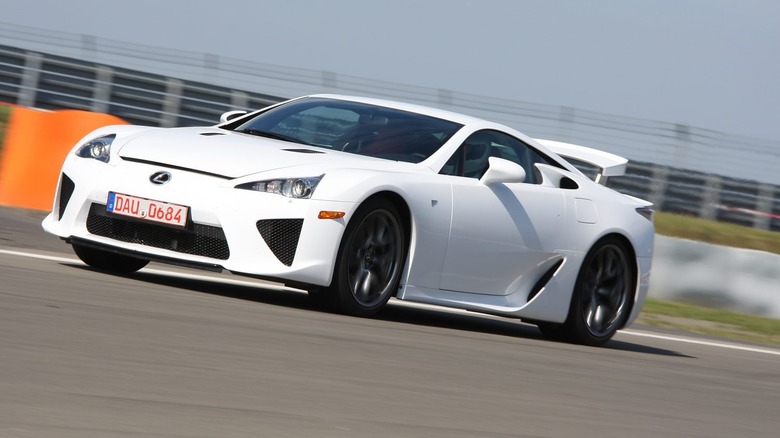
(36,143)
(33,148)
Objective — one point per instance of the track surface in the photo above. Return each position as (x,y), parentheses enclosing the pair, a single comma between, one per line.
(88,354)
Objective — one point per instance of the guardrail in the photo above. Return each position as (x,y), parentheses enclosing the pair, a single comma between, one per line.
(701,194)
(659,151)
(44,81)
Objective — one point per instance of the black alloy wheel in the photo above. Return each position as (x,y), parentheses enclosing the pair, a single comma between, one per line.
(370,259)
(602,296)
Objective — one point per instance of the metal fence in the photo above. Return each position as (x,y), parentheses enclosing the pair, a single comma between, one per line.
(679,168)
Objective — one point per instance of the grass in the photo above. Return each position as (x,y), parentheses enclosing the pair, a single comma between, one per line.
(721,233)
(715,322)
(5,112)
(721,323)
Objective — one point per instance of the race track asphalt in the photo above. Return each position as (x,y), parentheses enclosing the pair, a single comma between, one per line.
(170,352)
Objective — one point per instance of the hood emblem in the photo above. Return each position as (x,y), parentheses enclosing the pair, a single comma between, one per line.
(160,177)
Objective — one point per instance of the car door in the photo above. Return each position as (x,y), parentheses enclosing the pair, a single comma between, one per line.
(500,232)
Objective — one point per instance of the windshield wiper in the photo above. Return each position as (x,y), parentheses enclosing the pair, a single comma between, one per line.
(269,134)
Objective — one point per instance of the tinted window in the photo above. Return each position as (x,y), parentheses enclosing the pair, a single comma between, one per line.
(354,127)
(471,159)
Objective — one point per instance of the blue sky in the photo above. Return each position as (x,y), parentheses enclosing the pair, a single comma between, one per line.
(707,63)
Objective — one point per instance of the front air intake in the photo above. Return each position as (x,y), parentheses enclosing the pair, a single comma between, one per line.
(199,239)
(66,191)
(281,236)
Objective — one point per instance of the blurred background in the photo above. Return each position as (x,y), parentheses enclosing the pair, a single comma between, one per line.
(686,90)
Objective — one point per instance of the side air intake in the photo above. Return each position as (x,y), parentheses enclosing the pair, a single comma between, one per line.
(544,279)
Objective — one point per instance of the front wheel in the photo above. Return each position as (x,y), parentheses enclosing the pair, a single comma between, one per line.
(370,260)
(108,261)
(601,300)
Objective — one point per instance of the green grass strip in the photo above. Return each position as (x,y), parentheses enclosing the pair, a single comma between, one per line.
(721,323)
(5,113)
(720,233)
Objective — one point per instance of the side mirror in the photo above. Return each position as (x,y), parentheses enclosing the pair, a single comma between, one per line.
(231,115)
(502,171)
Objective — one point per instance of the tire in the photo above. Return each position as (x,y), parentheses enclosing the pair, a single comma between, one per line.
(602,296)
(370,260)
(108,261)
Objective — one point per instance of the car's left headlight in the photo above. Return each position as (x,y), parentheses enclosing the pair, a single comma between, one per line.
(97,148)
(299,188)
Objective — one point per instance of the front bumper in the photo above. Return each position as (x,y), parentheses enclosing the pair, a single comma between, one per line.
(239,230)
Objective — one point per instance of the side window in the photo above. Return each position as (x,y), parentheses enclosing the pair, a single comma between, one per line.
(523,155)
(471,159)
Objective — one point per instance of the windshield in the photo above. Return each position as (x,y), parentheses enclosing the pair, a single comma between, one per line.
(353,127)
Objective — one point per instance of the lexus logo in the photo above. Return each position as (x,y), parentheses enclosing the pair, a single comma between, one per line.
(160,177)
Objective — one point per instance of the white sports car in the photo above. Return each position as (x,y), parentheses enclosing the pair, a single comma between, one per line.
(358,200)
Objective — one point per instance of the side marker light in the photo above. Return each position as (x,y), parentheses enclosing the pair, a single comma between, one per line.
(331,215)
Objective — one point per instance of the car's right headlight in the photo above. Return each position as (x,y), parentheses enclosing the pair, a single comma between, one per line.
(97,148)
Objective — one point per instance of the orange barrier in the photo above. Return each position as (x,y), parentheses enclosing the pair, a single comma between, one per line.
(36,143)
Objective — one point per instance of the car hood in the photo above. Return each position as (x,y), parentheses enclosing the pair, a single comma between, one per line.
(233,155)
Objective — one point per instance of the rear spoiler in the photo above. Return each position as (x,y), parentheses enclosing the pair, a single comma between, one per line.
(606,163)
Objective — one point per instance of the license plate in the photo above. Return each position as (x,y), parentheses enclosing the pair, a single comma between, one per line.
(147,209)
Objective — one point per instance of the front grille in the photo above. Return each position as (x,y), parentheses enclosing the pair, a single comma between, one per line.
(281,236)
(200,240)
(66,191)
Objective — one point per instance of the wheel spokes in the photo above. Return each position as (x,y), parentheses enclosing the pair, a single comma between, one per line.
(381,228)
(605,290)
(374,258)
(364,284)
(593,316)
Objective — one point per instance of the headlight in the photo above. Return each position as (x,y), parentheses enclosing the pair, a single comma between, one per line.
(300,188)
(98,148)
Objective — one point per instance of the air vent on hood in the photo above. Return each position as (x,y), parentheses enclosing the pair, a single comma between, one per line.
(209,134)
(304,151)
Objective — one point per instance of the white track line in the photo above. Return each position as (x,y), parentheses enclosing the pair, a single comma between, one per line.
(622,332)
(39,256)
(270,285)
(700,342)
(184,275)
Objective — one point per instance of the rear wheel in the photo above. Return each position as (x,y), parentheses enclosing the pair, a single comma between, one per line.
(601,299)
(370,260)
(108,261)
